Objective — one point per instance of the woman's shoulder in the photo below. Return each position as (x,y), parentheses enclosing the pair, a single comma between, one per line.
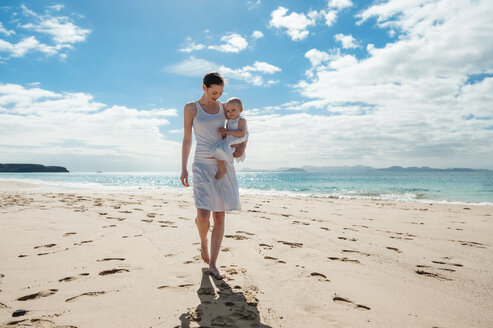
(191,107)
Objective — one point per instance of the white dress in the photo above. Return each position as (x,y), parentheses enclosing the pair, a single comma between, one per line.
(209,193)
(223,150)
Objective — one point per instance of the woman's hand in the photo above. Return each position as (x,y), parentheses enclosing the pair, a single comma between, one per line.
(239,149)
(222,130)
(184,178)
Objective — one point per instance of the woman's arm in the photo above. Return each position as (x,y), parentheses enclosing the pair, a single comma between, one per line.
(189,114)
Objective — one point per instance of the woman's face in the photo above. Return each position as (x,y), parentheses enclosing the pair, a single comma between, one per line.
(214,92)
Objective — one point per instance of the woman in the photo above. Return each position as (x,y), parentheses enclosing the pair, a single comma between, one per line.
(205,116)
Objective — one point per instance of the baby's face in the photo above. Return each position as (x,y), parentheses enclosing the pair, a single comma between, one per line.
(233,111)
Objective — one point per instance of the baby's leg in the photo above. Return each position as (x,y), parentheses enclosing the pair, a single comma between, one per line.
(222,169)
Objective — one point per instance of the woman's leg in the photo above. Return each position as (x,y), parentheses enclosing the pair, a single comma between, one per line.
(202,222)
(216,240)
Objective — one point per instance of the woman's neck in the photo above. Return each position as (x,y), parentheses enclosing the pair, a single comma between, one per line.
(206,101)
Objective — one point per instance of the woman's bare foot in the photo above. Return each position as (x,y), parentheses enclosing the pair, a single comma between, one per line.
(215,272)
(204,252)
(220,173)
(203,246)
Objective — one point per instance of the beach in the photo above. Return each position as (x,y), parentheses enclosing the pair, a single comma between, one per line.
(95,258)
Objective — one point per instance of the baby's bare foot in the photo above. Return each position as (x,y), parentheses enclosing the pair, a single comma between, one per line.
(220,173)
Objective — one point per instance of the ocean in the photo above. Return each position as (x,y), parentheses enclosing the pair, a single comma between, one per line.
(439,186)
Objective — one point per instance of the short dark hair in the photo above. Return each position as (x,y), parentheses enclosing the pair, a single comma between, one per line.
(213,78)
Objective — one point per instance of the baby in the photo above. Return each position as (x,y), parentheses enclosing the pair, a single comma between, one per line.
(235,133)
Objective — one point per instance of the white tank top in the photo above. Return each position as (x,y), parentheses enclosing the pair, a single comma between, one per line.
(205,127)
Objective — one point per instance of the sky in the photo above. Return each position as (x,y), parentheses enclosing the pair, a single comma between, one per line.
(101,85)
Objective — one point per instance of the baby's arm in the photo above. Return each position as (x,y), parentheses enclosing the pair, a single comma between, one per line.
(236,133)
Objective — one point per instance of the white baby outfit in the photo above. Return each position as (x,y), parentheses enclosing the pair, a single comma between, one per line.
(210,193)
(223,150)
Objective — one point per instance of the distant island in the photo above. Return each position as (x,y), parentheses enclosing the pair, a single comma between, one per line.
(361,168)
(24,168)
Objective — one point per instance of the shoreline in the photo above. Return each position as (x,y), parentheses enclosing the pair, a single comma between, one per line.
(55,186)
(106,259)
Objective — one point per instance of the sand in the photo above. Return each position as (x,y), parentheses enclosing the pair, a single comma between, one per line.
(83,258)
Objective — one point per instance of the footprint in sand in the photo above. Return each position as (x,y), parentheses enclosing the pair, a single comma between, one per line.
(321,277)
(325,228)
(246,233)
(298,222)
(356,252)
(66,279)
(431,274)
(179,286)
(126,212)
(47,246)
(147,220)
(83,242)
(265,246)
(110,226)
(343,259)
(113,218)
(447,269)
(470,243)
(291,244)
(85,294)
(151,215)
(274,259)
(448,263)
(344,301)
(237,237)
(350,239)
(112,271)
(43,293)
(111,259)
(69,234)
(394,249)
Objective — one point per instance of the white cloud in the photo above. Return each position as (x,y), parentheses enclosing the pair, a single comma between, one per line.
(262,67)
(347,41)
(56,7)
(232,43)
(252,4)
(192,46)
(195,67)
(257,35)
(251,74)
(410,101)
(317,57)
(63,32)
(330,17)
(296,24)
(340,4)
(37,123)
(3,30)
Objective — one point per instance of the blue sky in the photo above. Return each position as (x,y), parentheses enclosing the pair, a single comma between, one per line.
(102,84)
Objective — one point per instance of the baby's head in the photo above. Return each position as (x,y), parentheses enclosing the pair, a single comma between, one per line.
(234,107)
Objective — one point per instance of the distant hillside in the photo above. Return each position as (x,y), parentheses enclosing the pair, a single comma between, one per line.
(361,168)
(282,169)
(430,169)
(23,168)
